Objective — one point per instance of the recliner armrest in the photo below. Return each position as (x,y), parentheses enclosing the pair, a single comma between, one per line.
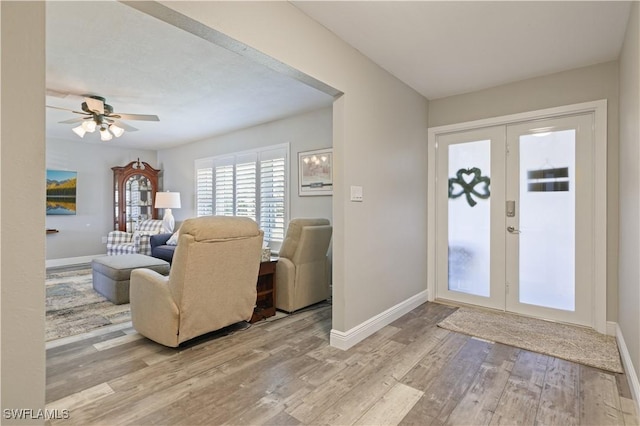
(154,313)
(119,237)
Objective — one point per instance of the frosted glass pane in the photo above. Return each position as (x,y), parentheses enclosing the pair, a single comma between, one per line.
(469,217)
(547,220)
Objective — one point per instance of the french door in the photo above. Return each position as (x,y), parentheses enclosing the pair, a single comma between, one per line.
(514,217)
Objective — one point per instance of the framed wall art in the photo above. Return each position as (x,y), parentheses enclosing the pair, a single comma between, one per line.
(315,170)
(61,192)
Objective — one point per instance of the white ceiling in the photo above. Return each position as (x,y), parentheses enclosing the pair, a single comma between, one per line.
(444,48)
(448,47)
(144,66)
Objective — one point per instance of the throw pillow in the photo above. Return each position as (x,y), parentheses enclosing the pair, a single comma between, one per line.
(173,240)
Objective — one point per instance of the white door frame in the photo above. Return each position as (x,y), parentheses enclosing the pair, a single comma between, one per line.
(599,109)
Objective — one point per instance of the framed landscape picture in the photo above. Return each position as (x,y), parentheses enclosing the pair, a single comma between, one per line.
(315,169)
(61,192)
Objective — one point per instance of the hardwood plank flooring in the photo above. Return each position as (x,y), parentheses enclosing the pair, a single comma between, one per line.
(285,373)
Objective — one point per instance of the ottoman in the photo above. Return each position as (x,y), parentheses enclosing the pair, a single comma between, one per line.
(111,274)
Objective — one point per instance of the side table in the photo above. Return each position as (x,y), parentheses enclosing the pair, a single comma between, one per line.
(266,291)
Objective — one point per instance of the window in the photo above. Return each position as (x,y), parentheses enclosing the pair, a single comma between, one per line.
(251,184)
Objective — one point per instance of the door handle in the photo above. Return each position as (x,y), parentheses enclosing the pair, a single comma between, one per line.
(513,230)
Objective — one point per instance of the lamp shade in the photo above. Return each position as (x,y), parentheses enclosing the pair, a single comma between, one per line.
(117,131)
(80,131)
(167,200)
(105,135)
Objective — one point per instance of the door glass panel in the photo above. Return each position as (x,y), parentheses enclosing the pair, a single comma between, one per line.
(547,220)
(469,217)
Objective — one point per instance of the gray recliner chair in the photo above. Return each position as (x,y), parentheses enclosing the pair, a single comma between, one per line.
(302,272)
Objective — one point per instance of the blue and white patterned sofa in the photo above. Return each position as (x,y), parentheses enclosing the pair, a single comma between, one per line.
(120,242)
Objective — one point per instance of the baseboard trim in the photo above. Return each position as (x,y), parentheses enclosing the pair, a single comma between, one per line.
(632,377)
(346,339)
(612,328)
(68,261)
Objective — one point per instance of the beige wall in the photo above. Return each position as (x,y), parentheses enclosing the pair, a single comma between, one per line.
(379,141)
(629,262)
(569,87)
(379,136)
(22,162)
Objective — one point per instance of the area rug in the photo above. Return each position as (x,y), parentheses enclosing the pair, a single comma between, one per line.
(576,344)
(74,307)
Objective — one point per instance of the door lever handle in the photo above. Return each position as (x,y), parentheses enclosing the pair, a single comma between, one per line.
(513,230)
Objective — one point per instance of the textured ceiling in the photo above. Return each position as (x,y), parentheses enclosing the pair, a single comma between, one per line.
(144,66)
(198,89)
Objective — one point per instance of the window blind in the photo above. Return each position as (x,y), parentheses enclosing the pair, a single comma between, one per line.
(204,191)
(223,191)
(250,184)
(245,186)
(272,194)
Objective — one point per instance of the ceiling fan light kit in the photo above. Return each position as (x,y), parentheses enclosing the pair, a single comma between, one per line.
(117,131)
(99,115)
(104,134)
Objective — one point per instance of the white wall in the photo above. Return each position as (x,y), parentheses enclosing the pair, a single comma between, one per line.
(379,142)
(629,260)
(569,87)
(81,234)
(22,200)
(312,130)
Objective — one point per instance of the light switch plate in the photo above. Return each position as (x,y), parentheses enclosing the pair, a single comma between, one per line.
(356,193)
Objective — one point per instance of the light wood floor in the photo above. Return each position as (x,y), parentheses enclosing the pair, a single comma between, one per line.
(285,373)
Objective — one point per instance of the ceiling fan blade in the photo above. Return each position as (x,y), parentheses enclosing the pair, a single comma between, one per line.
(65,94)
(142,117)
(56,93)
(124,126)
(72,120)
(67,109)
(95,105)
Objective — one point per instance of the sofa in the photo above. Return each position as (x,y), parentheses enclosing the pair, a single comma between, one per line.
(159,247)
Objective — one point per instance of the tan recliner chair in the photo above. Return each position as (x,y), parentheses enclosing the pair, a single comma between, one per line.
(212,282)
(302,272)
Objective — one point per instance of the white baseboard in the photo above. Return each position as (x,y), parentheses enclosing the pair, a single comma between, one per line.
(612,328)
(346,339)
(632,377)
(68,261)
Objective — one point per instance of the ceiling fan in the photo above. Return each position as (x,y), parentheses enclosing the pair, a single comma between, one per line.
(98,115)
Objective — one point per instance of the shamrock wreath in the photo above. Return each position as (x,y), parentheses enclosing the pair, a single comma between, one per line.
(469,182)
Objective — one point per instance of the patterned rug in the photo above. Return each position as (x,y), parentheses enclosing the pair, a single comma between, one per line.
(576,344)
(74,307)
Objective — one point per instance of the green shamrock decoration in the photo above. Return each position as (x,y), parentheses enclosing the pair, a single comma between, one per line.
(469,182)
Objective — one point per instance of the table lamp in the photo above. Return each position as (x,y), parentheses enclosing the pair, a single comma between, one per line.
(167,201)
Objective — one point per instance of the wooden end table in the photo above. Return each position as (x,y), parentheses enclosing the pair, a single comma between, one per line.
(266,289)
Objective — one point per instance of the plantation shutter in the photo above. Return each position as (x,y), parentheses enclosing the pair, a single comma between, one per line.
(224,201)
(250,184)
(204,188)
(245,191)
(272,194)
